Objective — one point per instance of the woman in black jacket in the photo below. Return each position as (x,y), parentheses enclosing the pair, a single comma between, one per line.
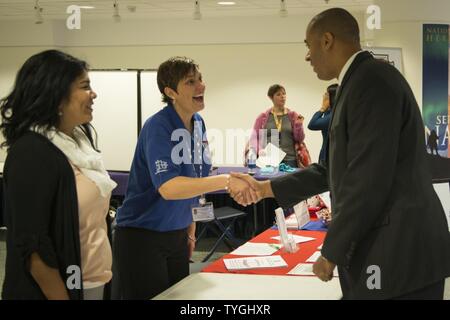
(52,174)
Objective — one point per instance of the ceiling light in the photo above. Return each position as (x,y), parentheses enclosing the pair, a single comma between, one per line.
(86,7)
(226,3)
(116,15)
(38,13)
(283,11)
(197,14)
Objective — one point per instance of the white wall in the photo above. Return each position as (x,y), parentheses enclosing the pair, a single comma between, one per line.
(240,57)
(11,60)
(237,79)
(237,73)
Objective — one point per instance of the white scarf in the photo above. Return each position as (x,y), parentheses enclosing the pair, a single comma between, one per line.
(81,154)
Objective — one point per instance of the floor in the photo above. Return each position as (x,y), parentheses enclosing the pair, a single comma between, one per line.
(201,251)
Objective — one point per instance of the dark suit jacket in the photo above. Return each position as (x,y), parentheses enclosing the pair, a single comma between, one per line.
(385,210)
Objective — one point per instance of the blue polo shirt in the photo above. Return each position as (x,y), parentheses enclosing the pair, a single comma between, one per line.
(163,153)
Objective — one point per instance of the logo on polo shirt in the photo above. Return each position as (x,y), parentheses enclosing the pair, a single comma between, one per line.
(161,166)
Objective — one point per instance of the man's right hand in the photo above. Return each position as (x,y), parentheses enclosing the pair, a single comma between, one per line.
(262,188)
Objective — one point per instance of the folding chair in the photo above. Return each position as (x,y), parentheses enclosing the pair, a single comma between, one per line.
(220,228)
(118,194)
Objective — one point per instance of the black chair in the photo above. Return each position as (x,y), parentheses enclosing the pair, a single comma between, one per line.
(221,226)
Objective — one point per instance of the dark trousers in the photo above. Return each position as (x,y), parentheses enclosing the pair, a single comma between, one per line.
(434,291)
(149,262)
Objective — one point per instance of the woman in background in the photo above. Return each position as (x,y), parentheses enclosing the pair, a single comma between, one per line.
(321,119)
(56,189)
(288,126)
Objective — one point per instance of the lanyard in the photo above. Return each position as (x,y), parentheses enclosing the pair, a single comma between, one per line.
(197,148)
(278,122)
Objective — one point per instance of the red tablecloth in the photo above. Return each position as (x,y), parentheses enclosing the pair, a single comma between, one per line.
(306,249)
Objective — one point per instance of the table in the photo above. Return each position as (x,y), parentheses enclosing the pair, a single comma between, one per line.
(217,283)
(227,286)
(306,249)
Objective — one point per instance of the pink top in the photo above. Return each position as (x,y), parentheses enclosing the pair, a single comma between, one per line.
(96,254)
(255,142)
(261,121)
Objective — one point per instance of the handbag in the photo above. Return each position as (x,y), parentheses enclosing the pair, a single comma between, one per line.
(303,156)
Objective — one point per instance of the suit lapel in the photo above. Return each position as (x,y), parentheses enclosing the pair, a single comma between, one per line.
(358,60)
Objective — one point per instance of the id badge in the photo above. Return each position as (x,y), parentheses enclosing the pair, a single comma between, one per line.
(203,212)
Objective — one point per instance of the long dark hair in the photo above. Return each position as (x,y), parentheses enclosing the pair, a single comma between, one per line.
(90,132)
(332,94)
(42,84)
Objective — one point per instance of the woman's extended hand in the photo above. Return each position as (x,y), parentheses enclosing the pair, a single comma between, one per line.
(242,191)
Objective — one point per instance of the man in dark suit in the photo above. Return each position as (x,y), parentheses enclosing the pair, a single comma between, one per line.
(389,236)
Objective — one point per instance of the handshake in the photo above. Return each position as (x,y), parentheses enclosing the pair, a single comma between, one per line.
(245,190)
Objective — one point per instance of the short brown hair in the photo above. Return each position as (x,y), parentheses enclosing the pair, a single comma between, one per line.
(274,89)
(172,71)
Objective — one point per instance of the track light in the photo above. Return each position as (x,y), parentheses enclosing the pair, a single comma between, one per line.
(38,13)
(197,14)
(116,15)
(283,11)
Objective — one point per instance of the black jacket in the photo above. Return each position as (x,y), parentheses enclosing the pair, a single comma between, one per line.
(41,213)
(385,210)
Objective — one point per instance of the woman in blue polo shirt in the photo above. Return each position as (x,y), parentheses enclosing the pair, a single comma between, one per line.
(155,234)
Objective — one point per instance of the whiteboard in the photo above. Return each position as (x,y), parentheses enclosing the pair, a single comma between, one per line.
(115,116)
(150,95)
(391,55)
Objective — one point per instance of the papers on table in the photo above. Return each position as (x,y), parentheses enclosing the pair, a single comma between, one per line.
(272,156)
(314,257)
(297,239)
(306,269)
(301,213)
(320,247)
(299,218)
(255,263)
(326,199)
(256,249)
(291,222)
